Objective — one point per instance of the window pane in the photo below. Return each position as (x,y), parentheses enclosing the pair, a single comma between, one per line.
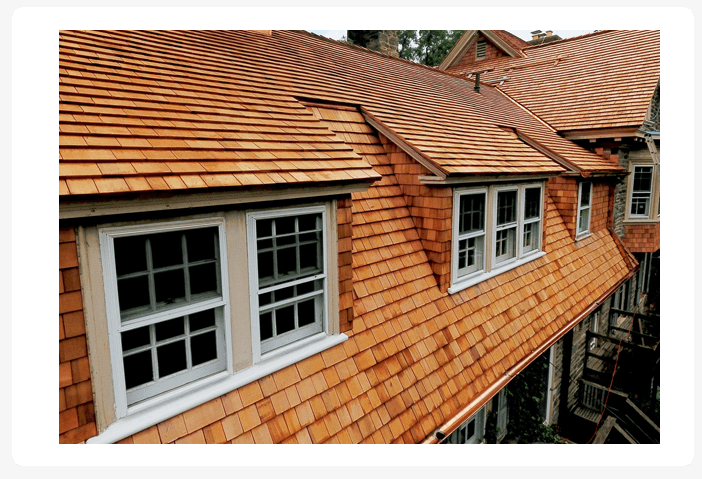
(531,237)
(170,286)
(135,338)
(264,228)
(202,320)
(309,257)
(138,369)
(585,194)
(166,249)
(171,358)
(307,222)
(203,278)
(265,267)
(284,293)
(306,312)
(285,319)
(201,244)
(505,244)
(130,254)
(133,293)
(472,213)
(583,223)
(287,262)
(284,225)
(170,329)
(532,203)
(266,324)
(643,176)
(506,207)
(203,347)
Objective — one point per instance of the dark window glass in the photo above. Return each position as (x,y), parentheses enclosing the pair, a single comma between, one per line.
(170,286)
(266,322)
(309,257)
(284,225)
(203,278)
(306,312)
(203,347)
(287,264)
(138,369)
(284,293)
(169,329)
(307,222)
(201,244)
(130,255)
(166,249)
(285,319)
(202,320)
(585,194)
(532,203)
(133,292)
(135,338)
(265,267)
(171,358)
(506,207)
(264,228)
(472,213)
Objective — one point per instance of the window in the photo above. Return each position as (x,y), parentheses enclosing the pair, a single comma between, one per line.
(470,432)
(288,284)
(594,326)
(641,191)
(495,228)
(158,306)
(502,414)
(165,298)
(584,207)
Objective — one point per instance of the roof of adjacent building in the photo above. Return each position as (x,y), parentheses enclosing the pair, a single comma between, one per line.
(161,111)
(599,80)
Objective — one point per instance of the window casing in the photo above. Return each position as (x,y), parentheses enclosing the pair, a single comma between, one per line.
(495,228)
(166,300)
(584,209)
(641,191)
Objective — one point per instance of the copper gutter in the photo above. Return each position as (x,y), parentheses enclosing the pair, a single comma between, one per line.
(481,399)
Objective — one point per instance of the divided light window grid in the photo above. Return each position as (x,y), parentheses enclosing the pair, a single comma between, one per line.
(291,277)
(170,302)
(641,189)
(584,207)
(495,226)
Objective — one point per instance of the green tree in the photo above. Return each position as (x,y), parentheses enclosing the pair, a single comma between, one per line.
(427,46)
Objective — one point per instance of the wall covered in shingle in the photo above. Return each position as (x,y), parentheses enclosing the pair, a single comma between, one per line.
(76,410)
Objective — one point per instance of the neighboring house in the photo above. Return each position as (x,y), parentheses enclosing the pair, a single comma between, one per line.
(269,236)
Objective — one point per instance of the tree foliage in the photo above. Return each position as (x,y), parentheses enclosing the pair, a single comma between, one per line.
(427,46)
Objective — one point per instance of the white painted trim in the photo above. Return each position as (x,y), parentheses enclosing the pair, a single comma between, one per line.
(459,181)
(460,286)
(580,209)
(77,208)
(549,386)
(215,386)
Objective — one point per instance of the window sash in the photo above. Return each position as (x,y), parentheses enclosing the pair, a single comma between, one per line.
(263,343)
(641,191)
(584,208)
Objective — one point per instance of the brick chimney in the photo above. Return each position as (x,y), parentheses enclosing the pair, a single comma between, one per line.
(383,41)
(536,34)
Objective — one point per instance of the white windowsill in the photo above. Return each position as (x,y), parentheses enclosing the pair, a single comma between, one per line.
(582,236)
(642,220)
(218,385)
(473,280)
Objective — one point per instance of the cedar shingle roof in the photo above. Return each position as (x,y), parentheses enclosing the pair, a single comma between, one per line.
(415,356)
(143,111)
(602,80)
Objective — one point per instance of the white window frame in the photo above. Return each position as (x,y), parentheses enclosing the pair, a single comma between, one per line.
(491,267)
(146,397)
(462,431)
(579,234)
(283,346)
(114,419)
(653,215)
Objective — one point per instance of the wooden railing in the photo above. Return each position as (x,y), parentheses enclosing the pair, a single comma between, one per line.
(593,396)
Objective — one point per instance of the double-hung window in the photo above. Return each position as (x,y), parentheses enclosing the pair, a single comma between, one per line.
(289,280)
(495,228)
(584,208)
(641,191)
(165,299)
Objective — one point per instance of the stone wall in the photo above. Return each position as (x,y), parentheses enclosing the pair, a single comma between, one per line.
(383,41)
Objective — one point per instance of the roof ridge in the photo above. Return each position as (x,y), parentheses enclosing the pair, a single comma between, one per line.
(557,42)
(358,47)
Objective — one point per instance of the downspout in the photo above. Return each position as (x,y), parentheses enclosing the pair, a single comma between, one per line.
(481,399)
